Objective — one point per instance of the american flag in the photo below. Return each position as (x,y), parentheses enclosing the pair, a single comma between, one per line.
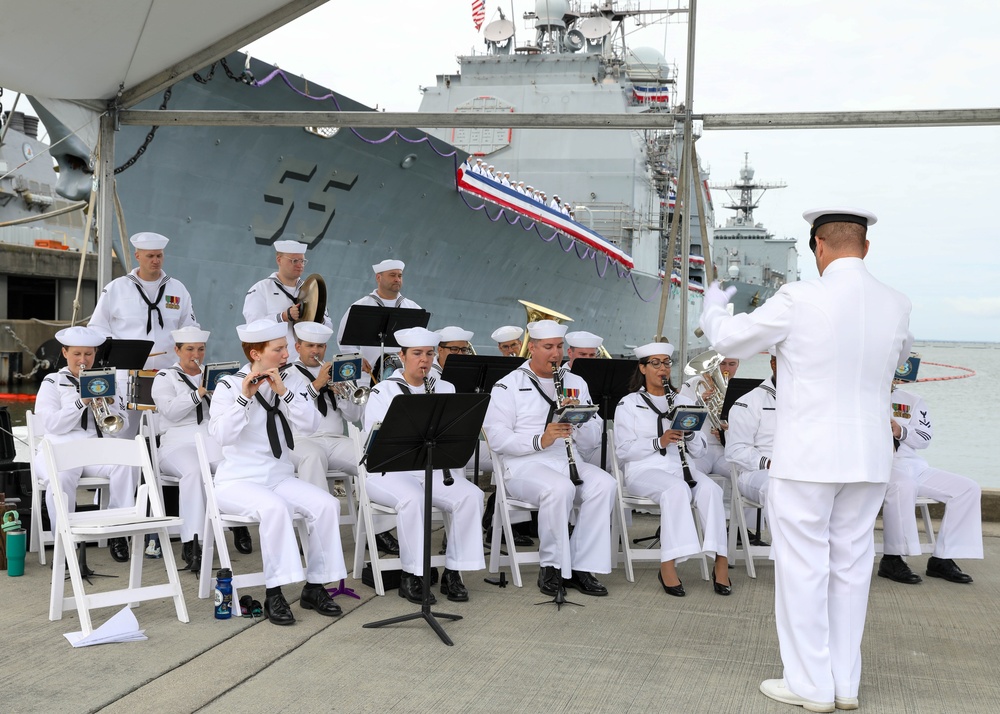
(478,12)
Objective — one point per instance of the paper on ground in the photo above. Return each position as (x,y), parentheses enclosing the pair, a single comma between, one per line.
(123,627)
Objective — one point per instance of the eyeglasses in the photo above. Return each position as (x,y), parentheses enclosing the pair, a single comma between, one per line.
(457,350)
(657,363)
(297,261)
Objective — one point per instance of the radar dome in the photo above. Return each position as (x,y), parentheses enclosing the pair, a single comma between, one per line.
(551,12)
(647,63)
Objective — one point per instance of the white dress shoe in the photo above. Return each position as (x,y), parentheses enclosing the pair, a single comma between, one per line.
(846,702)
(776,690)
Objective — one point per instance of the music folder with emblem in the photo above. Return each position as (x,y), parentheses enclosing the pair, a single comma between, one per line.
(907,372)
(688,418)
(345,367)
(97,383)
(575,414)
(215,371)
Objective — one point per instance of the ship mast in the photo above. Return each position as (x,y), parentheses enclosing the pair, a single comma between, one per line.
(749,191)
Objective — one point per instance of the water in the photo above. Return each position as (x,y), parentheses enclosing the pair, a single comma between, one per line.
(963,411)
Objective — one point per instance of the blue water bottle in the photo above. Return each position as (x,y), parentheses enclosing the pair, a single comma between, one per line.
(224,594)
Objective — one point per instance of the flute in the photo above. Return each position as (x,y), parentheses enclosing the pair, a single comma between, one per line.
(688,478)
(574,473)
(429,389)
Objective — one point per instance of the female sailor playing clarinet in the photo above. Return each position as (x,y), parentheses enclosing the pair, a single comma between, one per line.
(253,413)
(657,467)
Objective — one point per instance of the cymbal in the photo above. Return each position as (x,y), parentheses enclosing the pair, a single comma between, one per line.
(312,295)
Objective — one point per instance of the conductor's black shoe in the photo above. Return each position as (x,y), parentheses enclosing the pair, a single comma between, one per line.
(386,543)
(277,610)
(315,597)
(549,579)
(895,568)
(412,588)
(586,583)
(119,549)
(453,587)
(946,568)
(242,540)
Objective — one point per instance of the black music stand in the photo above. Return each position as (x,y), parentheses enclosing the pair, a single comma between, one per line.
(427,431)
(375,326)
(607,380)
(124,354)
(476,374)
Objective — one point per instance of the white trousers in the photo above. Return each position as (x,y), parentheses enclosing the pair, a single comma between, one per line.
(822,544)
(275,506)
(122,481)
(753,485)
(313,456)
(678,535)
(462,502)
(961,533)
(589,548)
(713,461)
(181,462)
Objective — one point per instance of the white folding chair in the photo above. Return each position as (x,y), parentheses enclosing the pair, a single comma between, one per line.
(39,536)
(926,546)
(502,528)
(347,481)
(368,511)
(214,533)
(80,527)
(148,430)
(628,502)
(737,517)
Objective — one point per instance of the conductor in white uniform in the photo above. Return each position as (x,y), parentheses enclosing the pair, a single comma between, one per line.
(253,413)
(519,426)
(276,297)
(839,340)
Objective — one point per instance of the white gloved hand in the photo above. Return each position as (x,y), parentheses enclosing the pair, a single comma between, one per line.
(716,296)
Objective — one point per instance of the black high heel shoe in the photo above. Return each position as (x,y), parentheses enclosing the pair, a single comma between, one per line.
(675,590)
(720,589)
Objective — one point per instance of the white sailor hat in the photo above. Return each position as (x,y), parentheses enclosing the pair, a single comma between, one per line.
(545,329)
(454,334)
(79,336)
(507,333)
(261,331)
(289,246)
(479,160)
(490,166)
(149,241)
(817,217)
(313,332)
(190,333)
(388,265)
(653,349)
(520,183)
(417,337)
(584,339)
(531,188)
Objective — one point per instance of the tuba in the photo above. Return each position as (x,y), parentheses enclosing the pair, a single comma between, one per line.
(706,365)
(536,313)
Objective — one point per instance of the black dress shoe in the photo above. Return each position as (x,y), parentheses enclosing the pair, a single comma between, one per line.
(119,549)
(586,583)
(549,580)
(277,610)
(523,541)
(243,541)
(721,589)
(315,597)
(453,587)
(895,568)
(755,539)
(412,588)
(675,590)
(386,543)
(946,568)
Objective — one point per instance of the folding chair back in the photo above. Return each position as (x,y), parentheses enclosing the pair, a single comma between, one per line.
(502,535)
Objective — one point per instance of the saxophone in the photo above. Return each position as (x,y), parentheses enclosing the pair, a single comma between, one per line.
(574,473)
(429,389)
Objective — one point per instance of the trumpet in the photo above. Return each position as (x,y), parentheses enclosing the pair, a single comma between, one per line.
(574,472)
(681,449)
(351,390)
(429,389)
(105,420)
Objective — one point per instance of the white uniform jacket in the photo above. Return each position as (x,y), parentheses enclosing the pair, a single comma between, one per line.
(59,411)
(636,441)
(750,437)
(372,353)
(268,298)
(333,423)
(123,314)
(240,426)
(910,412)
(177,411)
(839,341)
(518,414)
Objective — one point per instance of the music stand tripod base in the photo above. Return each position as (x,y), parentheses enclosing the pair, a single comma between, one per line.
(559,599)
(342,590)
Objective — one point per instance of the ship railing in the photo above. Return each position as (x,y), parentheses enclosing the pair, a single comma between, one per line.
(617,222)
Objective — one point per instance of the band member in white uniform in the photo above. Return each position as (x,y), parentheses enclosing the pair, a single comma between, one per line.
(276,297)
(508,339)
(713,461)
(652,460)
(519,426)
(328,447)
(62,416)
(182,409)
(750,442)
(839,340)
(961,532)
(454,341)
(388,284)
(253,413)
(585,345)
(146,304)
(404,490)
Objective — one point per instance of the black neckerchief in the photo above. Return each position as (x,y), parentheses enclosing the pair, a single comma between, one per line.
(84,421)
(154,305)
(274,413)
(199,412)
(324,391)
(551,402)
(660,416)
(277,284)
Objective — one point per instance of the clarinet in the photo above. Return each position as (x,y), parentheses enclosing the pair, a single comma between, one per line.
(681,449)
(429,389)
(574,474)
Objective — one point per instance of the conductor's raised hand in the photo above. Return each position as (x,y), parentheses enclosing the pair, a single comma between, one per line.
(715,296)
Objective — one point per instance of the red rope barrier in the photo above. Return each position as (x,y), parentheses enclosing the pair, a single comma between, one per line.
(968,373)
